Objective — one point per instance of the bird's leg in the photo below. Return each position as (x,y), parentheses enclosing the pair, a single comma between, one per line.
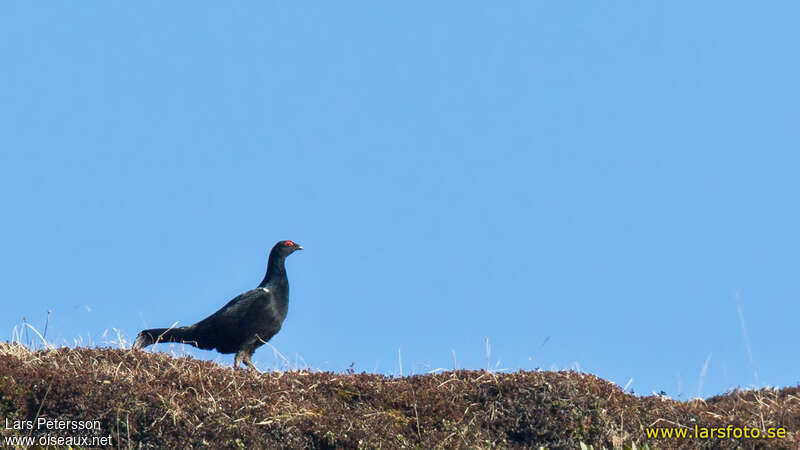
(243,356)
(248,362)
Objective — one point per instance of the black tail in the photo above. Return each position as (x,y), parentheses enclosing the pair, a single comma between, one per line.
(182,335)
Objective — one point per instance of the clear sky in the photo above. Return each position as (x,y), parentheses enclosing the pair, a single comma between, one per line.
(600,186)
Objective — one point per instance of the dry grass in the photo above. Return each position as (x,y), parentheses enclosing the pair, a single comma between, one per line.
(153,400)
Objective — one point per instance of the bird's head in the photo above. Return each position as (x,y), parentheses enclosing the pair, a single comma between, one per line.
(286,248)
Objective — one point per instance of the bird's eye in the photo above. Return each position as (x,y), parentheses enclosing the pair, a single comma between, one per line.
(288,243)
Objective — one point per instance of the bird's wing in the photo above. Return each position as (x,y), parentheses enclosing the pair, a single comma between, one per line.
(243,303)
(227,327)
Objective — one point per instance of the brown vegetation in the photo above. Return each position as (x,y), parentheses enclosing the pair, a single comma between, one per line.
(153,400)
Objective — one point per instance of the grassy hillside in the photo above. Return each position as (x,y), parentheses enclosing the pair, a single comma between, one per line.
(153,400)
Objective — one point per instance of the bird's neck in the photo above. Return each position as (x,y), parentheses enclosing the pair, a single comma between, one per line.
(276,272)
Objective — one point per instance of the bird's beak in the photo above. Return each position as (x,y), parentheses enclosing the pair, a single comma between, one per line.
(299,247)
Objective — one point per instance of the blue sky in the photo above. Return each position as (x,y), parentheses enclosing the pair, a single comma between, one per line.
(588,185)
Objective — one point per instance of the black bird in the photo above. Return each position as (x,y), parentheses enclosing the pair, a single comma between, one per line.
(245,323)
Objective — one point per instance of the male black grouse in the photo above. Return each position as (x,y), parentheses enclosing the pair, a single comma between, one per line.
(245,323)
